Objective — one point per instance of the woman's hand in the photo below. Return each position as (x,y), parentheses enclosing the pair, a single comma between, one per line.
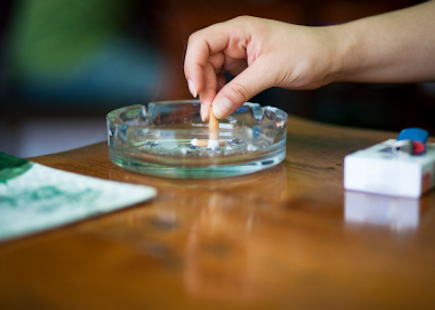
(261,53)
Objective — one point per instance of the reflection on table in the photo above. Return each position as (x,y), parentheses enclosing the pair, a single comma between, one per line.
(395,212)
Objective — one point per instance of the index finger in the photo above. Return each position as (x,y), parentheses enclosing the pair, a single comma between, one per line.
(201,45)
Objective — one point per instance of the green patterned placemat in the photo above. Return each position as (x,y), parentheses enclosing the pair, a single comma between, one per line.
(34,197)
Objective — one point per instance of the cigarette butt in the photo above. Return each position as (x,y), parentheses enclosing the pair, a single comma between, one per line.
(213,144)
(213,126)
(204,143)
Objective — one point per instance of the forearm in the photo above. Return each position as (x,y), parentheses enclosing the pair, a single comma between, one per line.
(396,47)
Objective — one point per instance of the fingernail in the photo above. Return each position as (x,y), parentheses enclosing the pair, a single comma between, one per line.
(203,112)
(222,108)
(192,88)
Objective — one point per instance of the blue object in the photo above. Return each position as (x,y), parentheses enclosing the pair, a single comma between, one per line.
(413,134)
(411,141)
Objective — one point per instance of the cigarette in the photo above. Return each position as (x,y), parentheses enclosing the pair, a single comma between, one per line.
(213,125)
(205,143)
(213,137)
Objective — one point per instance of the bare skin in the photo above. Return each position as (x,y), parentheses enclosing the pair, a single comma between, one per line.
(397,47)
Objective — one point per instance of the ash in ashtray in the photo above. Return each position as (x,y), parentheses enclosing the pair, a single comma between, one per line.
(184,148)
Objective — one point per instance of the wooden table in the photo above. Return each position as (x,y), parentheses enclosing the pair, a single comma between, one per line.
(280,238)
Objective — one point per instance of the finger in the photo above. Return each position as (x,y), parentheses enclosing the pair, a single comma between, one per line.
(230,37)
(208,91)
(220,81)
(201,45)
(217,61)
(244,86)
(234,65)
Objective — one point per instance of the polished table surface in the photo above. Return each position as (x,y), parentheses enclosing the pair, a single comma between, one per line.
(281,238)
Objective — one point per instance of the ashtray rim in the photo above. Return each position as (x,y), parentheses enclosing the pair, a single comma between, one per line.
(258,110)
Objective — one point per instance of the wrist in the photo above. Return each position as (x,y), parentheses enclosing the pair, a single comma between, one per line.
(344,54)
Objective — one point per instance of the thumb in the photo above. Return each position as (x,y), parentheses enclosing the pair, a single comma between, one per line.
(243,87)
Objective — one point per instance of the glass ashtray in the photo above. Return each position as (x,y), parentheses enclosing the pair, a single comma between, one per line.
(161,139)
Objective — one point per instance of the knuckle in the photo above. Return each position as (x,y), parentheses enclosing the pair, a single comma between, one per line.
(192,38)
(242,91)
(195,36)
(243,18)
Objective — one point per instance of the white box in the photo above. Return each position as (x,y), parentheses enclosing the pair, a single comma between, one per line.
(377,170)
